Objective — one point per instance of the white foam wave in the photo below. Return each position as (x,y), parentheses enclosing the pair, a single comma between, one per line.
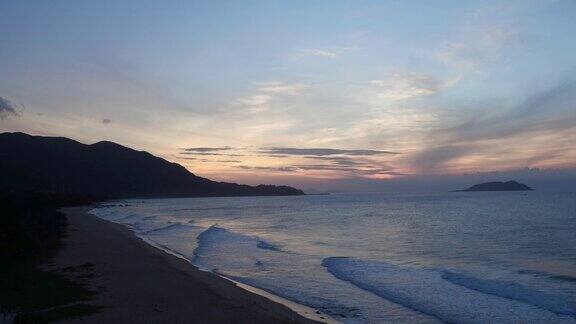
(558,303)
(255,262)
(429,292)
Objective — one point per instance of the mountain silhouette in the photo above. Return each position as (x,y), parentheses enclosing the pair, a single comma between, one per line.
(105,169)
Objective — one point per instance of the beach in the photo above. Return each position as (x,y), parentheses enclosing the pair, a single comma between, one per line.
(138,283)
(378,258)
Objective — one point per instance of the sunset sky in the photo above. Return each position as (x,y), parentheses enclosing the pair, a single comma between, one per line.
(300,91)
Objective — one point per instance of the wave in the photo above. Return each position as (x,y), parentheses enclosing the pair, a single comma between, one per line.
(215,232)
(261,264)
(558,277)
(554,303)
(565,278)
(435,293)
(216,241)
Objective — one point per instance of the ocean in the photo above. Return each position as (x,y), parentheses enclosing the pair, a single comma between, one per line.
(459,257)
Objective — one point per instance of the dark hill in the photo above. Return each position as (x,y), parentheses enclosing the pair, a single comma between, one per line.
(499,186)
(105,169)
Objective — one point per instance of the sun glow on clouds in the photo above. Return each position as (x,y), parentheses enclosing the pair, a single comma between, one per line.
(316,162)
(341,98)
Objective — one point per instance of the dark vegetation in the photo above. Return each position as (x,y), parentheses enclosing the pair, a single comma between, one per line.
(31,231)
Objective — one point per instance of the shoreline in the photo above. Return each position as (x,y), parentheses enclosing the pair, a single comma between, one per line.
(303,310)
(138,282)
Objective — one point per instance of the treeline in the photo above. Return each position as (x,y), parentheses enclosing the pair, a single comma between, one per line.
(31,226)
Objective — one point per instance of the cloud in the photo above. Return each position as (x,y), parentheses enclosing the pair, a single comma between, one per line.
(358,165)
(480,45)
(212,154)
(208,160)
(335,162)
(431,159)
(319,53)
(320,151)
(407,85)
(207,149)
(7,108)
(549,110)
(326,53)
(266,93)
(382,172)
(106,121)
(532,131)
(255,103)
(291,89)
(372,171)
(227,151)
(276,169)
(338,160)
(488,33)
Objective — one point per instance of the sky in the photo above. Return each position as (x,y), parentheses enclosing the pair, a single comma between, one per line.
(325,95)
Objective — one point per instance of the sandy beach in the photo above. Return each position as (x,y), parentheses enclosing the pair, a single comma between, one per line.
(137,283)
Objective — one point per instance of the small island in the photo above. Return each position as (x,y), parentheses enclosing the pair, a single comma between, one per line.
(498,186)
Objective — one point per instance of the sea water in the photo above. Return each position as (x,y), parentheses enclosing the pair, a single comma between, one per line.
(478,257)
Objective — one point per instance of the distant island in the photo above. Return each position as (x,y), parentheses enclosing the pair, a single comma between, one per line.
(498,186)
(105,170)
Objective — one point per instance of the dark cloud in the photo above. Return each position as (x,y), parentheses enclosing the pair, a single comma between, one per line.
(278,169)
(208,160)
(320,151)
(432,158)
(212,154)
(552,111)
(561,96)
(207,149)
(380,172)
(351,162)
(321,167)
(367,170)
(337,156)
(194,159)
(354,164)
(325,167)
(339,160)
(549,110)
(227,161)
(212,151)
(7,108)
